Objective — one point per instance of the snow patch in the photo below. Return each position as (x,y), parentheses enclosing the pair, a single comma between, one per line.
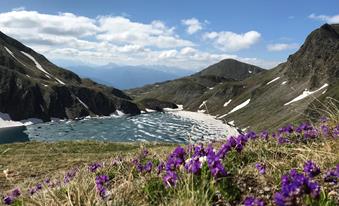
(284,82)
(119,113)
(249,71)
(11,53)
(55,119)
(31,121)
(231,123)
(38,65)
(222,116)
(180,107)
(273,80)
(81,102)
(227,103)
(240,106)
(211,88)
(305,94)
(6,121)
(201,111)
(60,82)
(202,104)
(149,110)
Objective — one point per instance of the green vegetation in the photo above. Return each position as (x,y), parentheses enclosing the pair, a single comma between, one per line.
(103,173)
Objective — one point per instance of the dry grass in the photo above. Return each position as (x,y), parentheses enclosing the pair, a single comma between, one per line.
(128,187)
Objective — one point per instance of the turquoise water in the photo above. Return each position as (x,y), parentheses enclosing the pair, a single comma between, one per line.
(13,134)
(162,127)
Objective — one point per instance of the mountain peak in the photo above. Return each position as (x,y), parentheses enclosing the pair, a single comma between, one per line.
(230,69)
(317,57)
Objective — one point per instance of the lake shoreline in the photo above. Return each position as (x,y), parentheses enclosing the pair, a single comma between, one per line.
(207,128)
(13,134)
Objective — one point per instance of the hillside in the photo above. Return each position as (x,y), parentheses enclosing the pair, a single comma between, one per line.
(189,90)
(265,99)
(33,87)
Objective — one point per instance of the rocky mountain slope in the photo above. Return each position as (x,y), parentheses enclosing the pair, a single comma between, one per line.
(33,87)
(188,90)
(291,92)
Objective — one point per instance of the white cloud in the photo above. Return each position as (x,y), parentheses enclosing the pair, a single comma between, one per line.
(282,47)
(230,41)
(117,39)
(193,25)
(122,30)
(329,19)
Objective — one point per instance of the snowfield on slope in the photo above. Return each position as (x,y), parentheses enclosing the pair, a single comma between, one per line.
(273,80)
(38,65)
(227,103)
(305,94)
(240,106)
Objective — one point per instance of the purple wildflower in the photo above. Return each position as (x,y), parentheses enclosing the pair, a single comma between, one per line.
(140,168)
(160,167)
(69,176)
(175,159)
(325,130)
(35,189)
(16,193)
(144,152)
(100,182)
(289,129)
(311,169)
(279,199)
(94,167)
(335,132)
(193,165)
(332,175)
(170,178)
(261,168)
(8,200)
(240,142)
(251,201)
(148,166)
(251,135)
(264,135)
(231,141)
(135,161)
(214,164)
(225,148)
(295,185)
(199,150)
(282,140)
(311,133)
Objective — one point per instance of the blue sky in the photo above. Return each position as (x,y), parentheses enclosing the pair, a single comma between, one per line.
(188,34)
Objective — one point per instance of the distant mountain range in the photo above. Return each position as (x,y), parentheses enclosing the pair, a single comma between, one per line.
(127,77)
(251,97)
